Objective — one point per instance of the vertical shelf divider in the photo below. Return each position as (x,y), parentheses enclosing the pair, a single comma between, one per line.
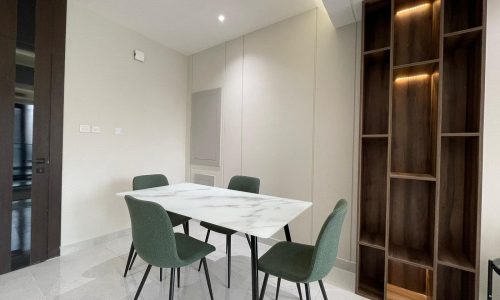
(389,153)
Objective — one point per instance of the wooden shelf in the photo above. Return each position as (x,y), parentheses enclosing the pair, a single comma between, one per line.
(462,14)
(370,292)
(416,34)
(461,134)
(374,136)
(458,204)
(377,25)
(371,271)
(397,293)
(416,64)
(412,282)
(414,257)
(376,86)
(411,223)
(374,194)
(461,77)
(372,240)
(455,284)
(462,32)
(456,260)
(377,51)
(422,90)
(411,176)
(414,118)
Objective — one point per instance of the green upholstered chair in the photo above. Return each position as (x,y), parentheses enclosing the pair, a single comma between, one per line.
(301,263)
(146,182)
(238,183)
(157,244)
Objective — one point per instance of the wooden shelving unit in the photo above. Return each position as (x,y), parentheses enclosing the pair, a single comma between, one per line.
(421,149)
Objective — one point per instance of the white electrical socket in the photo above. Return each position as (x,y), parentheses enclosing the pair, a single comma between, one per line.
(96,129)
(118,131)
(84,128)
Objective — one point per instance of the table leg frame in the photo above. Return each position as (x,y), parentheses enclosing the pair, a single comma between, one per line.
(254,266)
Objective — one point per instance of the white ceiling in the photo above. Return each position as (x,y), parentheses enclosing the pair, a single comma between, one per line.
(343,12)
(190,26)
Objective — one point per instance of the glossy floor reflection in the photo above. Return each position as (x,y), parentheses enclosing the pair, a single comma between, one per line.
(96,272)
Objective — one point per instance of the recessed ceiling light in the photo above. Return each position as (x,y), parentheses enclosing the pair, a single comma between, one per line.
(222,18)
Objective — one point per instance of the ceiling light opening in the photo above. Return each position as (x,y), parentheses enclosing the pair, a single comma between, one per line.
(222,18)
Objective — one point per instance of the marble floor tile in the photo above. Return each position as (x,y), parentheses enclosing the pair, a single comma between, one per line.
(96,272)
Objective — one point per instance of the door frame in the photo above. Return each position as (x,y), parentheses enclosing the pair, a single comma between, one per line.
(49,80)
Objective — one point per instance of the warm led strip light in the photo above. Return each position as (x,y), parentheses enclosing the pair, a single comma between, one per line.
(413,9)
(413,78)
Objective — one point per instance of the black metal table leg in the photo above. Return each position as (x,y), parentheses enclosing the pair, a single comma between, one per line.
(490,280)
(228,245)
(254,265)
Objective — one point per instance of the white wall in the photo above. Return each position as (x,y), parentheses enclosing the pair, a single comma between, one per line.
(288,105)
(104,86)
(490,220)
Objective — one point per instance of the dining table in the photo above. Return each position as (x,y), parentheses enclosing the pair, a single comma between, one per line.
(257,215)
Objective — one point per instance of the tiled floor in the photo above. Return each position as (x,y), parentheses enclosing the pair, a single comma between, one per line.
(97,273)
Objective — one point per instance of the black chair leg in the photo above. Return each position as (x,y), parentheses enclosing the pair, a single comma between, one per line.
(308,292)
(323,291)
(300,291)
(133,260)
(186,227)
(288,236)
(278,288)
(204,261)
(264,285)
(228,246)
(142,282)
(129,259)
(206,241)
(161,274)
(178,277)
(172,284)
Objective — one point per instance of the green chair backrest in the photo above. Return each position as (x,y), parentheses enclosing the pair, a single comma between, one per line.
(244,184)
(152,233)
(327,244)
(149,181)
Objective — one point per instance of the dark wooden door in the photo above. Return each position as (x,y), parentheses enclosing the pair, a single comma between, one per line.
(32,35)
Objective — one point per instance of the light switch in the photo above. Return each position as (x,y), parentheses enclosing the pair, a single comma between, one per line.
(139,55)
(84,128)
(96,129)
(118,131)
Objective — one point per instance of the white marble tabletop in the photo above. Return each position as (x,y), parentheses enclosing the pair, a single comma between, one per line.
(255,214)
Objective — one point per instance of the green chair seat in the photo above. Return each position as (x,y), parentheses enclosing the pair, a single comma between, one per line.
(237,183)
(177,219)
(301,263)
(218,229)
(146,182)
(288,260)
(157,244)
(190,249)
